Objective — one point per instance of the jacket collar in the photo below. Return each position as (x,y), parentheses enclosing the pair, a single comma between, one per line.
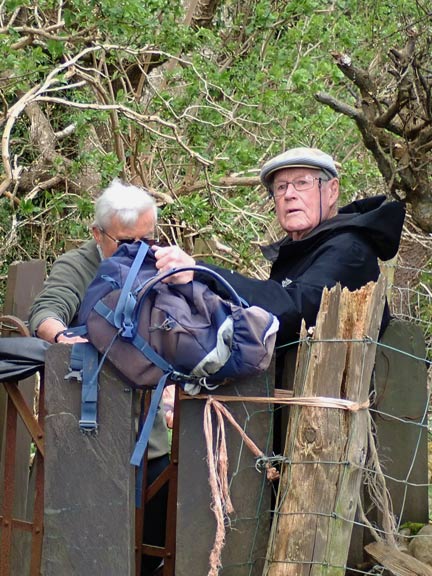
(346,215)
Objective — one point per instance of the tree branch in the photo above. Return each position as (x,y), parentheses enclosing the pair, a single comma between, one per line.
(341,107)
(361,78)
(224,182)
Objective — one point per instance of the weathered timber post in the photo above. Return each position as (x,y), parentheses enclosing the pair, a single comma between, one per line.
(326,447)
(89,483)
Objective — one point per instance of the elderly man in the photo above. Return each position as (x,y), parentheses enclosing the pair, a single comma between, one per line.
(123,213)
(322,246)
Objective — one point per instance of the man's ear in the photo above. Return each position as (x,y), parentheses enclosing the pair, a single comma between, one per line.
(333,192)
(97,234)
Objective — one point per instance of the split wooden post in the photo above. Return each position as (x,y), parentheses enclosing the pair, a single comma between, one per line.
(326,447)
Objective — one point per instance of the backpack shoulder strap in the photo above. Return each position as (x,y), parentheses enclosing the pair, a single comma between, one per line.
(84,366)
(141,445)
(126,302)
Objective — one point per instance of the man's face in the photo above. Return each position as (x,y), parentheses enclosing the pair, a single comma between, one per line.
(143,228)
(299,212)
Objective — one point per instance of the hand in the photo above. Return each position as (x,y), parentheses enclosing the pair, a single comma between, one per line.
(168,403)
(63,339)
(170,257)
(50,327)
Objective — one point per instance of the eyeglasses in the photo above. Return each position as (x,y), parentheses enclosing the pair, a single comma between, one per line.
(120,241)
(301,184)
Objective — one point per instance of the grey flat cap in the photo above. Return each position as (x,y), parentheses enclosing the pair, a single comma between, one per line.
(298,158)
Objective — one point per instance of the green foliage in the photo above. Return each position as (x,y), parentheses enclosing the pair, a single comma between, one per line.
(413,527)
(236,92)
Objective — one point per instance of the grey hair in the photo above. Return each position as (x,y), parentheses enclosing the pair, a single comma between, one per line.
(125,201)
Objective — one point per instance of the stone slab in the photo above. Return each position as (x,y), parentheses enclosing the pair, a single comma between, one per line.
(401,388)
(247,535)
(89,483)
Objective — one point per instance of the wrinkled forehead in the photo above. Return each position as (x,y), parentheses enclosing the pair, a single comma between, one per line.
(295,172)
(142,225)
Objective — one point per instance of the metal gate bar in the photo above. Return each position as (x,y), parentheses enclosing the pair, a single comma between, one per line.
(17,406)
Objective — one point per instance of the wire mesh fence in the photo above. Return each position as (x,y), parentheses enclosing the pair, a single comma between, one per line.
(395,495)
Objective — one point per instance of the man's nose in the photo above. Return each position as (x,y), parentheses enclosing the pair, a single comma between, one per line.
(290,190)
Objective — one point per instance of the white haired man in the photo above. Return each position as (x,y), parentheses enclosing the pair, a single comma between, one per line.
(123,213)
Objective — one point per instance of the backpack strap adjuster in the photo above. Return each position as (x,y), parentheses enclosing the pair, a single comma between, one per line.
(88,427)
(84,362)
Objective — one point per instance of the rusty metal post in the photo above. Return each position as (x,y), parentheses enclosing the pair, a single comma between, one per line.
(9,489)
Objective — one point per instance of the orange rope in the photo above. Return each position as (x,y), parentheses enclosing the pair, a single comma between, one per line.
(288,399)
(217,504)
(217,456)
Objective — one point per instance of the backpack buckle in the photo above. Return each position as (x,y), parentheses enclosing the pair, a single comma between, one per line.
(127,330)
(74,375)
(88,427)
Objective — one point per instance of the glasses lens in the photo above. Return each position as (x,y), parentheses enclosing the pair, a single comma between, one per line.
(125,241)
(302,184)
(148,241)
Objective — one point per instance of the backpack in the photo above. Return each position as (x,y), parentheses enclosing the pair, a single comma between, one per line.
(156,333)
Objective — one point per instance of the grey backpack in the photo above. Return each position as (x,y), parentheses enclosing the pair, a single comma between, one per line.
(157,333)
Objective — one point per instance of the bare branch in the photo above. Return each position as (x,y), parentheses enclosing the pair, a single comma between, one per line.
(65,132)
(361,78)
(142,120)
(226,182)
(341,107)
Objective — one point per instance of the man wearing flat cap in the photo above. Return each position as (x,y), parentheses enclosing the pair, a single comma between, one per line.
(322,246)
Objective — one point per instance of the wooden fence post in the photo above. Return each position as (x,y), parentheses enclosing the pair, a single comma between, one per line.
(326,447)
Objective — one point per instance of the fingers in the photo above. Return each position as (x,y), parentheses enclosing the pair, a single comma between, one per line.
(170,257)
(63,339)
(168,402)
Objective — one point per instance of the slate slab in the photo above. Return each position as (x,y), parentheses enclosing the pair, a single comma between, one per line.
(89,483)
(401,419)
(247,534)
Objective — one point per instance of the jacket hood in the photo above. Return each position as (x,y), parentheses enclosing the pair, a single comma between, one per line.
(378,220)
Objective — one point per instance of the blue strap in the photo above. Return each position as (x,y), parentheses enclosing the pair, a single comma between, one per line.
(126,301)
(104,311)
(233,294)
(141,445)
(84,359)
(75,331)
(150,353)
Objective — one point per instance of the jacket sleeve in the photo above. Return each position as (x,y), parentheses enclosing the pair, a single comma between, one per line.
(344,259)
(64,288)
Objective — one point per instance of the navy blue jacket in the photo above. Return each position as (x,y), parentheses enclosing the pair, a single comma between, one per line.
(343,249)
